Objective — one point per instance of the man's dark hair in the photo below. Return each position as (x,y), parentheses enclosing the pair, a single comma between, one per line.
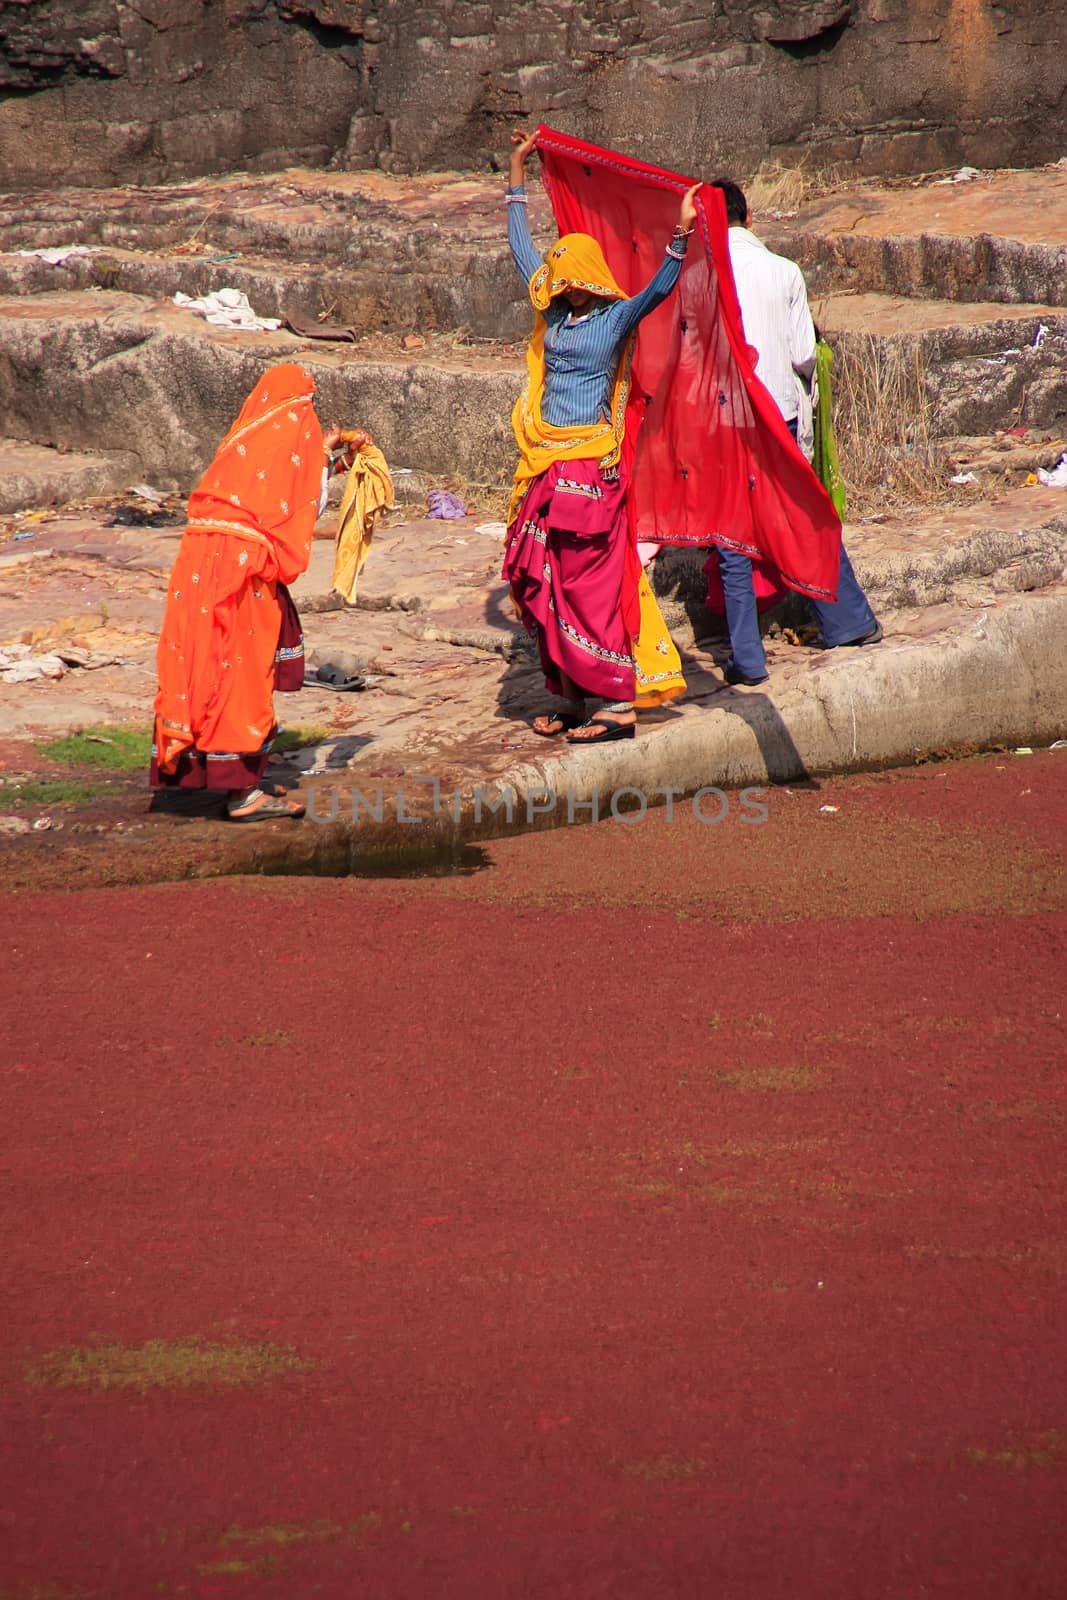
(736,204)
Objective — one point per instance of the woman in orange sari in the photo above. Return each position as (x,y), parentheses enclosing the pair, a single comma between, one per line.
(231,634)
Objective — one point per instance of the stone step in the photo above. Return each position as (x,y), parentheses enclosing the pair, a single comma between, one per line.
(423,298)
(999,238)
(98,369)
(983,365)
(415,255)
(443,409)
(427,253)
(35,475)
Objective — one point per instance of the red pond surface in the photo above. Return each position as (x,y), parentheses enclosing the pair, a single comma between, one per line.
(659,1210)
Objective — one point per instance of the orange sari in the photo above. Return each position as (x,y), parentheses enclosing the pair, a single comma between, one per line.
(250,525)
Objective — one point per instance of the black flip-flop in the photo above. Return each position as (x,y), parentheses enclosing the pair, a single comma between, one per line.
(613,730)
(333,678)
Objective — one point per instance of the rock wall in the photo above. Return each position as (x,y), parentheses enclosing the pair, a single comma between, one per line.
(107,92)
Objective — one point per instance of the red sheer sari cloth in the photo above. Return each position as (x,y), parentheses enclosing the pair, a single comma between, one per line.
(713,459)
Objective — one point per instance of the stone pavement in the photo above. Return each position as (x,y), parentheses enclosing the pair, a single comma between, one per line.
(973,601)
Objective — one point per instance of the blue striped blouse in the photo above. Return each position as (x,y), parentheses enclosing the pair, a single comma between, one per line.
(582,353)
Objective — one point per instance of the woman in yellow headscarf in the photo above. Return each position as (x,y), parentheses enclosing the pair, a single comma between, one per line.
(571,564)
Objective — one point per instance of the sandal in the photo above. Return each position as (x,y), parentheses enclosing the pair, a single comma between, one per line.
(264,808)
(612,730)
(330,677)
(558,722)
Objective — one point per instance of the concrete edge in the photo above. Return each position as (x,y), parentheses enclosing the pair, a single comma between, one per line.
(1003,681)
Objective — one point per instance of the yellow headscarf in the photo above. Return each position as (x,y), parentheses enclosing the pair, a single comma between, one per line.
(575,261)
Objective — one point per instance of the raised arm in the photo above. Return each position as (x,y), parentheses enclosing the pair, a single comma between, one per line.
(655,292)
(525,256)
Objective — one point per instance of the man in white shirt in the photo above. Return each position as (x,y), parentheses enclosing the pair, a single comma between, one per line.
(777,324)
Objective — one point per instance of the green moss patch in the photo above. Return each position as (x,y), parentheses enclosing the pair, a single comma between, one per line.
(665,1469)
(280,1534)
(163,1364)
(122,749)
(283,1533)
(43,793)
(1046,1452)
(299,738)
(776,1080)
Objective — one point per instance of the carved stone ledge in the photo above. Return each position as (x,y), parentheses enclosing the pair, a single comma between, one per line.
(794,21)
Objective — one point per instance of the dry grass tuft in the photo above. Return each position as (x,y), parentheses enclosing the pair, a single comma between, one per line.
(884,423)
(779,190)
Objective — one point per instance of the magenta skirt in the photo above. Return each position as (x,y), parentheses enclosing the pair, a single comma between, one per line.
(567,562)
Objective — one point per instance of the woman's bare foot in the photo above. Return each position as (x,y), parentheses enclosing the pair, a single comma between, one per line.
(550,724)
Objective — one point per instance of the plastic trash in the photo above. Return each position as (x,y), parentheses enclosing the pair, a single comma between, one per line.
(1057,478)
(1040,336)
(964,175)
(445,505)
(829,808)
(963,477)
(492,530)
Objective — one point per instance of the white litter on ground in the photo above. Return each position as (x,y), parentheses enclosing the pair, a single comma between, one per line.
(227,308)
(1057,478)
(57,254)
(18,664)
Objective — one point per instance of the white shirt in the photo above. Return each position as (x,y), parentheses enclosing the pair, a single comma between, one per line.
(775,316)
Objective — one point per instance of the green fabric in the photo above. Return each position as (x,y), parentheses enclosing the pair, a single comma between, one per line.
(827,467)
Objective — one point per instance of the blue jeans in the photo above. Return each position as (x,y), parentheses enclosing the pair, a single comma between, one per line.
(848,617)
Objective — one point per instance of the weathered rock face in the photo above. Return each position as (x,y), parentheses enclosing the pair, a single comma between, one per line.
(108,92)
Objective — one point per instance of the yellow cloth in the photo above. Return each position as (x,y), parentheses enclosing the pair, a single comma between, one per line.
(368,492)
(575,262)
(659,666)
